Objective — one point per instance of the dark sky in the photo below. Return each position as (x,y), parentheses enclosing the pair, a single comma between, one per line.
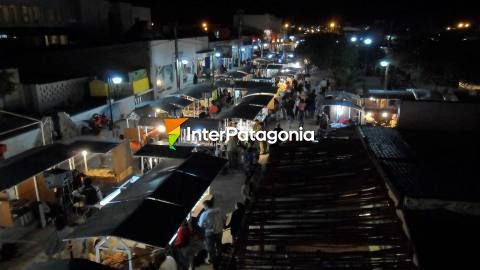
(359,11)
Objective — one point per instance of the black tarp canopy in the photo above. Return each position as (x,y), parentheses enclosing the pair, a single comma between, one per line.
(201,123)
(259,99)
(16,169)
(251,86)
(150,122)
(163,151)
(202,165)
(152,209)
(243,111)
(99,147)
(71,264)
(198,90)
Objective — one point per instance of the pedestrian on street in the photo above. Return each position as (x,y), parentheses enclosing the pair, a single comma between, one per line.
(232,152)
(236,221)
(181,246)
(301,112)
(212,222)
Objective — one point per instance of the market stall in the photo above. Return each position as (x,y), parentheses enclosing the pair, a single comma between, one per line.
(105,162)
(46,180)
(125,224)
(23,186)
(253,107)
(201,96)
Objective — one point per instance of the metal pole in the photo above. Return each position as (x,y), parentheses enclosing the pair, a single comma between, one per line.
(176,56)
(109,96)
(85,162)
(40,207)
(43,133)
(385,83)
(239,38)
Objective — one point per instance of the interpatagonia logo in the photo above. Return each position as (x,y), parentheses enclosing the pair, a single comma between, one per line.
(172,126)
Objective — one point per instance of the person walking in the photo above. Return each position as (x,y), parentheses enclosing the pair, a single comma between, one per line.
(262,144)
(301,112)
(235,223)
(212,222)
(183,253)
(232,152)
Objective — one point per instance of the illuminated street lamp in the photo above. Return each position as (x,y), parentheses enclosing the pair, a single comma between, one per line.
(115,80)
(385,64)
(367,41)
(460,25)
(286,25)
(353,39)
(332,25)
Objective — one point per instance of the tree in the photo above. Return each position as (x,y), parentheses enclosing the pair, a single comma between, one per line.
(7,86)
(334,53)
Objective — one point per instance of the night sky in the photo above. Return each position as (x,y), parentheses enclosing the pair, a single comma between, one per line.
(302,11)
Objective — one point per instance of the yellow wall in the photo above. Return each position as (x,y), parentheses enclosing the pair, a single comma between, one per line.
(140,85)
(98,88)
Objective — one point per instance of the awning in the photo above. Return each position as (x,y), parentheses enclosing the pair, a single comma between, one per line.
(71,264)
(202,123)
(257,99)
(163,151)
(32,162)
(150,122)
(198,91)
(99,147)
(202,165)
(181,189)
(144,220)
(251,86)
(170,103)
(243,111)
(332,102)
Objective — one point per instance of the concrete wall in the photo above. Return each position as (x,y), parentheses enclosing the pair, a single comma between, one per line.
(119,107)
(50,95)
(424,115)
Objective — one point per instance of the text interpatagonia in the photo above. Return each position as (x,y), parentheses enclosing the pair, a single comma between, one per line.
(271,136)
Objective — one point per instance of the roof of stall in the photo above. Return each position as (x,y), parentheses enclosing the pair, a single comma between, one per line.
(392,94)
(150,122)
(163,151)
(70,264)
(237,74)
(243,111)
(257,99)
(170,194)
(169,103)
(200,123)
(251,86)
(18,168)
(98,147)
(198,90)
(332,102)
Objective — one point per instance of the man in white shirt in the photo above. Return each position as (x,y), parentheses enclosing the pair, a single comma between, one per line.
(212,222)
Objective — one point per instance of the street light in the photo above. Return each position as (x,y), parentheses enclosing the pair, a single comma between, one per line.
(385,64)
(353,39)
(286,25)
(217,54)
(367,41)
(332,25)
